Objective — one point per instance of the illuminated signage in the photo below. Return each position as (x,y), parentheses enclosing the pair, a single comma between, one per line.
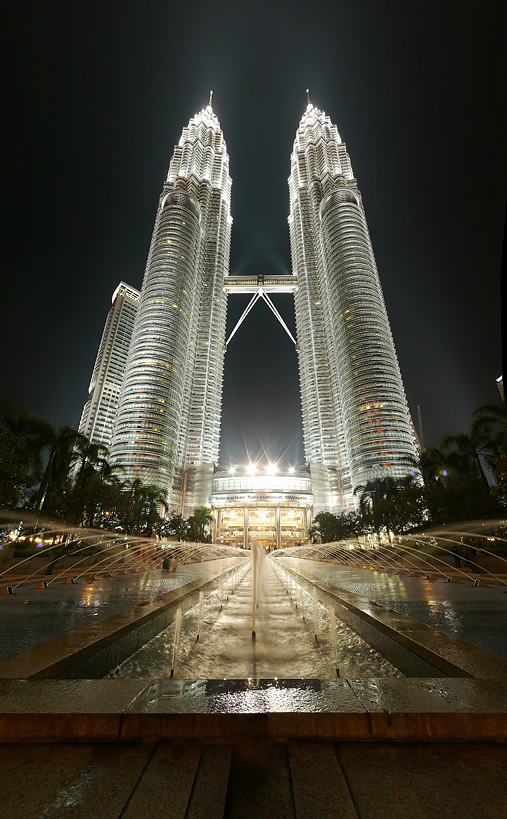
(267,497)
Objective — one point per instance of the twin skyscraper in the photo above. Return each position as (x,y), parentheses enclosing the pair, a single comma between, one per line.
(356,422)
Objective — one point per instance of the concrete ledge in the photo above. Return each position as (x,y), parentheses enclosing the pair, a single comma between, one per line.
(384,710)
(37,727)
(279,726)
(353,727)
(415,648)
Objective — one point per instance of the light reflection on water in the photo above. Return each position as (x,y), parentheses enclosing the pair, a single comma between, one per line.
(285,645)
(247,696)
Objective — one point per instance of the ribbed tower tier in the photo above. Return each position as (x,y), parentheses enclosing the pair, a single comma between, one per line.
(170,407)
(356,420)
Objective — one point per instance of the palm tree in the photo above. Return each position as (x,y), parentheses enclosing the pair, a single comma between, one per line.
(139,508)
(431,464)
(62,445)
(20,453)
(376,490)
(197,522)
(92,458)
(490,424)
(464,451)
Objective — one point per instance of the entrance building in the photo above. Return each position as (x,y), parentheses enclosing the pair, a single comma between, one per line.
(257,503)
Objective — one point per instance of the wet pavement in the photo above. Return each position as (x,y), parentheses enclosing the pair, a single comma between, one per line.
(35,616)
(477,615)
(254,780)
(292,639)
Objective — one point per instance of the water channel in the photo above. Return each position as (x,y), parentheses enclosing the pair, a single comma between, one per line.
(293,638)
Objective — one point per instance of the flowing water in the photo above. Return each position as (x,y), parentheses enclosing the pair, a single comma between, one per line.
(290,641)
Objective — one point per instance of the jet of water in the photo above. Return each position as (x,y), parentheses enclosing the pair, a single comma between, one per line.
(177,631)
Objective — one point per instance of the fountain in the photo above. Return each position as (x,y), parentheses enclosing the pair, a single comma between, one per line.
(297,624)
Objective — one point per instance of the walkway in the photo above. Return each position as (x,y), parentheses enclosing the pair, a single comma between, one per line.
(475,614)
(254,780)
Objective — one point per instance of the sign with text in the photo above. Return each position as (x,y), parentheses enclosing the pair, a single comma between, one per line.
(262,497)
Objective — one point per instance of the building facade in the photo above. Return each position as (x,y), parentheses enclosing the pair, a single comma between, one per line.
(356,421)
(168,422)
(275,509)
(97,419)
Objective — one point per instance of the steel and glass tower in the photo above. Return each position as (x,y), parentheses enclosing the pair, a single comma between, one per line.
(356,422)
(169,412)
(99,412)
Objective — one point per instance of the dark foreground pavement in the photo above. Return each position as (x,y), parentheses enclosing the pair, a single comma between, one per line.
(283,780)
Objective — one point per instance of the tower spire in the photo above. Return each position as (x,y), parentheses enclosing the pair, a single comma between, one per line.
(210,98)
(308,96)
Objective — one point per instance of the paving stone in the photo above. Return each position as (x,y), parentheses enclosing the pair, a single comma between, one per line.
(81,781)
(259,782)
(166,786)
(320,789)
(210,788)
(422,781)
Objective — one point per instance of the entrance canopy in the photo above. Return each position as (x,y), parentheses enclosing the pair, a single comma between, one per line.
(275,510)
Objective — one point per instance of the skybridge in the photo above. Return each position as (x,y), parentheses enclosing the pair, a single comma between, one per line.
(260,286)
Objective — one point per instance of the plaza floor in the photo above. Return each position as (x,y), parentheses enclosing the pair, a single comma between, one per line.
(254,780)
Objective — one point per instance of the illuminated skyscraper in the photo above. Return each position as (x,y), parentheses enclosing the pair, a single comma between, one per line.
(99,411)
(168,421)
(356,423)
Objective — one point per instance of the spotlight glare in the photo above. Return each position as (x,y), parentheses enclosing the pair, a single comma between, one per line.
(271,469)
(251,469)
(291,470)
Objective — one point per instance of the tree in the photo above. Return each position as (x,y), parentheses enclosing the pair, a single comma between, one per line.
(89,458)
(499,465)
(61,445)
(431,463)
(197,524)
(378,489)
(137,508)
(464,451)
(23,440)
(490,425)
(328,528)
(460,497)
(176,527)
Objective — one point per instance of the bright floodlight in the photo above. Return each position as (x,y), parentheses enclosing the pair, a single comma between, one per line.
(291,470)
(271,469)
(251,469)
(232,470)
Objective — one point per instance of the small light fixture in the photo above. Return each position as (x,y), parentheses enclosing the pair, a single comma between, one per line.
(291,470)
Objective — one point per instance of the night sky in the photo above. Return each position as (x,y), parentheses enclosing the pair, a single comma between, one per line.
(94,97)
